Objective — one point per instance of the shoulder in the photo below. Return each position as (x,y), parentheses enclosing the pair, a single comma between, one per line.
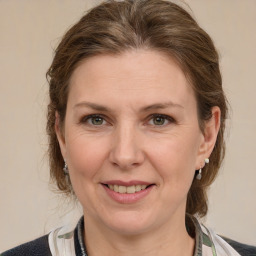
(37,247)
(222,244)
(242,249)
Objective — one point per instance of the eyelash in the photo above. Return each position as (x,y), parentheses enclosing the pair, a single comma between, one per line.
(166,117)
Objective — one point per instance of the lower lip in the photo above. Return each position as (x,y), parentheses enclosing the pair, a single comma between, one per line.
(128,198)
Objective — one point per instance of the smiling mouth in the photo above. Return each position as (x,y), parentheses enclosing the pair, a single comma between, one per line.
(127,189)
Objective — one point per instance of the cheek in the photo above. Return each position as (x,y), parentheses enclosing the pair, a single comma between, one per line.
(175,159)
(85,155)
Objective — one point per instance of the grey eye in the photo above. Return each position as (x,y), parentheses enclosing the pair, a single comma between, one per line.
(159,120)
(97,120)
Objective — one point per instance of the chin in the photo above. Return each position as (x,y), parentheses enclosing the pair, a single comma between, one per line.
(130,223)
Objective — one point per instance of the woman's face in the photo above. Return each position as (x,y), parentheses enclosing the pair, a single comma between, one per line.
(131,123)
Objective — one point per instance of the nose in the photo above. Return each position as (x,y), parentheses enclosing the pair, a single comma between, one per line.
(126,151)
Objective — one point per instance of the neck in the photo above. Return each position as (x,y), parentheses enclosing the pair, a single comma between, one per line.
(170,239)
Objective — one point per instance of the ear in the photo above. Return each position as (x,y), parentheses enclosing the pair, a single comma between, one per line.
(211,129)
(60,135)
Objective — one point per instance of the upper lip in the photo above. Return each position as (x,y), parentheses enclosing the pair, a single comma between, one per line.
(126,183)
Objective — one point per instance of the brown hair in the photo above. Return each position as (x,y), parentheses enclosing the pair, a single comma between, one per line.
(117,26)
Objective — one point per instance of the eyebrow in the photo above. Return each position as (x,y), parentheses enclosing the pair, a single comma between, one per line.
(102,108)
(161,106)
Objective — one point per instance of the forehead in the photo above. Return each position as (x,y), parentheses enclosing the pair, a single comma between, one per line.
(141,76)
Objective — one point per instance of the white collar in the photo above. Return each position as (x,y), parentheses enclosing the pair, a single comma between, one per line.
(61,241)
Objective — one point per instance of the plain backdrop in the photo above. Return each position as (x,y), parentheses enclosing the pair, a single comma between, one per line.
(29,31)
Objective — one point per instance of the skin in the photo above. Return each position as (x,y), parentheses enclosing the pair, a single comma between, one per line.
(126,143)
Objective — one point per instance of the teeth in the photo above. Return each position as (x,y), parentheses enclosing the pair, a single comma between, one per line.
(128,190)
(122,189)
(138,188)
(116,188)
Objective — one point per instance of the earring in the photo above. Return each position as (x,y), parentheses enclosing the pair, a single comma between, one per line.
(67,178)
(65,169)
(199,174)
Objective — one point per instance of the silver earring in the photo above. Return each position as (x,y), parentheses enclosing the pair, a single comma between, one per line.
(67,177)
(65,169)
(199,175)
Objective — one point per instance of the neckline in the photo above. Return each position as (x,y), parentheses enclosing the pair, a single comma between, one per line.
(80,247)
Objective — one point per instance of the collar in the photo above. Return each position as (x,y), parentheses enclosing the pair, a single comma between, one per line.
(62,241)
(201,239)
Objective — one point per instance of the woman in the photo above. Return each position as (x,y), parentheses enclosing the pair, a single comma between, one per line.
(136,121)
